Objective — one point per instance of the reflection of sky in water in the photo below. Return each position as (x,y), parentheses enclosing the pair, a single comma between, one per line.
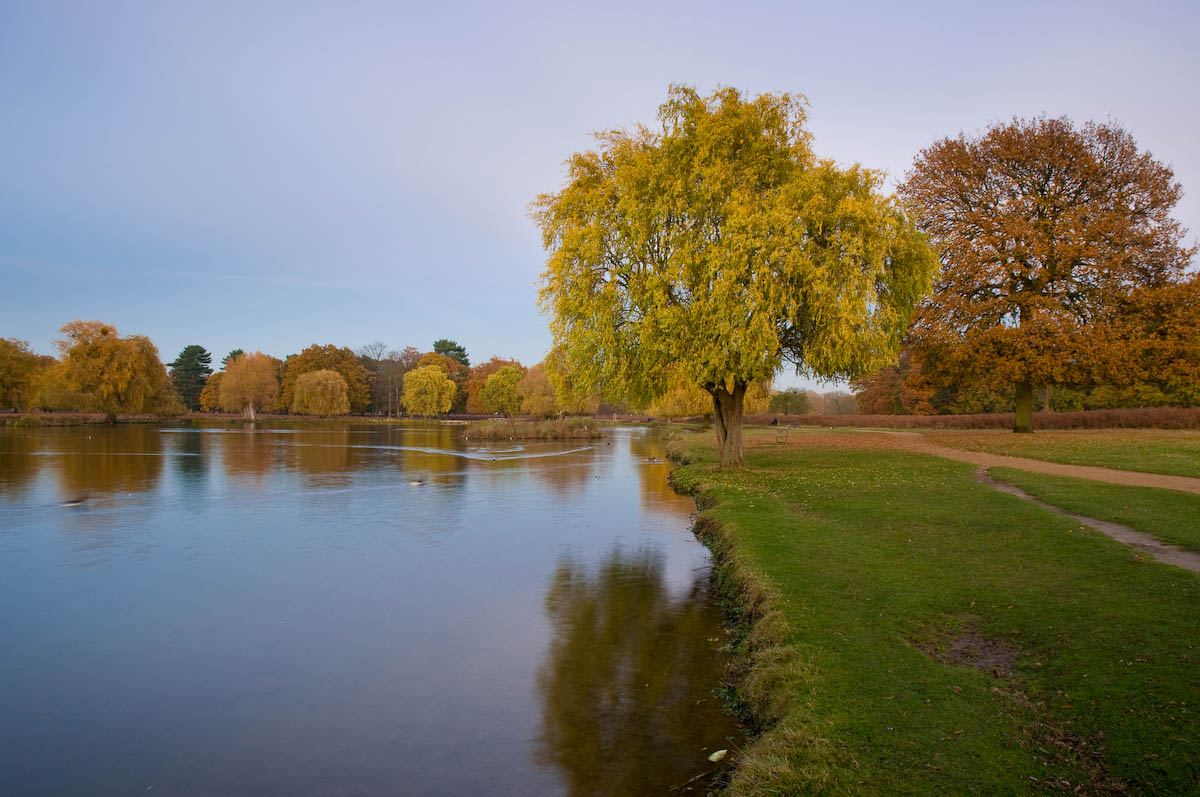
(282,610)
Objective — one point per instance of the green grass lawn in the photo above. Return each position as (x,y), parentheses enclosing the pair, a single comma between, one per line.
(1169,515)
(879,571)
(1174,452)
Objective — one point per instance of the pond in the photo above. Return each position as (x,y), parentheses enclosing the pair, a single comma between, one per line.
(350,609)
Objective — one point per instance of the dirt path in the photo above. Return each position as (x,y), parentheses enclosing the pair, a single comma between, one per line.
(911,441)
(1167,554)
(916,443)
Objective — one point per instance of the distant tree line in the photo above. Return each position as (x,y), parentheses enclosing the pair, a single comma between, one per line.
(99,371)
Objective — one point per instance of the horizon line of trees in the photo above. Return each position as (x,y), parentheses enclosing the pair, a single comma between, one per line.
(97,370)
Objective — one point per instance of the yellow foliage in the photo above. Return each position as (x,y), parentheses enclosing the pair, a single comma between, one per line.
(428,391)
(500,392)
(315,358)
(210,396)
(537,393)
(20,371)
(111,374)
(321,393)
(719,249)
(250,383)
(54,392)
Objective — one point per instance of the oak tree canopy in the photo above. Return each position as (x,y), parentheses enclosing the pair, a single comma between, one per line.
(1045,231)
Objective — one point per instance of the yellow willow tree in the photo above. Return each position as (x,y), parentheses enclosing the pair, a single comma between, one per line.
(250,382)
(720,247)
(112,374)
(428,390)
(501,391)
(20,371)
(684,398)
(1044,230)
(321,393)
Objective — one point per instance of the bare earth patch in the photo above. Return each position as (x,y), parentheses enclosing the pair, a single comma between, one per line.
(972,649)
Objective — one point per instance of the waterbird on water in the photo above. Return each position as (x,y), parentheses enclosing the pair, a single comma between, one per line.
(78,500)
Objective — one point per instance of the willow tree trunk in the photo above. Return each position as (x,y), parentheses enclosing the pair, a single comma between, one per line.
(250,411)
(1023,418)
(727,417)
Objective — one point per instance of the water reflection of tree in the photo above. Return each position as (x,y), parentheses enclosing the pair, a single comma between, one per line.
(652,475)
(566,473)
(100,462)
(439,464)
(626,686)
(192,451)
(19,463)
(249,455)
(325,454)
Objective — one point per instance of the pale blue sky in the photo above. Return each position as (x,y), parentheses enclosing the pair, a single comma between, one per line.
(270,175)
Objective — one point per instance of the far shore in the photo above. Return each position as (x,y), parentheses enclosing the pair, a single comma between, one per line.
(1128,418)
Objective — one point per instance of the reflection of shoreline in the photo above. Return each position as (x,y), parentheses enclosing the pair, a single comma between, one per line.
(112,454)
(626,686)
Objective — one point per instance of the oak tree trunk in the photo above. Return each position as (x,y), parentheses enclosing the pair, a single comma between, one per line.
(727,418)
(1023,419)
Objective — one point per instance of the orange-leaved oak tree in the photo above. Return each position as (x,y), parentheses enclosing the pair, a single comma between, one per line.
(1043,229)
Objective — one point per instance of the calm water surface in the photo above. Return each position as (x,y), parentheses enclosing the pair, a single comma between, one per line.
(280,610)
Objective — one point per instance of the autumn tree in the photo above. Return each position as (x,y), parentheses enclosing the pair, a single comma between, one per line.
(428,391)
(250,382)
(316,358)
(792,401)
(839,402)
(321,393)
(537,393)
(457,373)
(372,356)
(500,393)
(681,398)
(210,396)
(114,374)
(477,376)
(900,389)
(453,350)
(1042,228)
(189,372)
(392,372)
(20,372)
(720,246)
(1160,329)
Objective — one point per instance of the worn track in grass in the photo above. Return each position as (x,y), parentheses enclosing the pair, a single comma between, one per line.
(916,442)
(1167,554)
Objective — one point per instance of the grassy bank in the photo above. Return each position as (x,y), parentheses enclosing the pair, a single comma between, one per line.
(914,631)
(1172,452)
(39,419)
(1133,418)
(1171,516)
(512,429)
